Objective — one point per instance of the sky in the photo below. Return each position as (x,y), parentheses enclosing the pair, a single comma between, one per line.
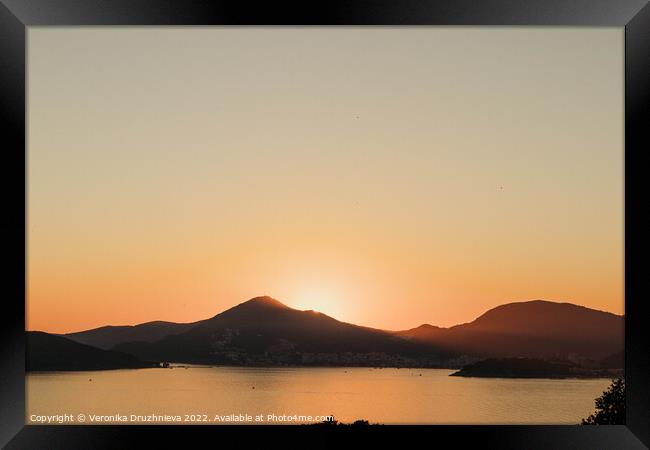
(386,176)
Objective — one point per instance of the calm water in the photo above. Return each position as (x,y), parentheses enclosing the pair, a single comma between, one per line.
(389,396)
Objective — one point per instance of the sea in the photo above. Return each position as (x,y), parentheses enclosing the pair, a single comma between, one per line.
(202,395)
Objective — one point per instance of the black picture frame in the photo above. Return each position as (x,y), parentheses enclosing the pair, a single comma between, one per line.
(17,15)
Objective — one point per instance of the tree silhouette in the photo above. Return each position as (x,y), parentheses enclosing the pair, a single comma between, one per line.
(610,406)
(333,421)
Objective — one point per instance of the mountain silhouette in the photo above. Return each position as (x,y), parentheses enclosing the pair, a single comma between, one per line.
(264,331)
(107,337)
(268,330)
(50,352)
(110,336)
(425,333)
(535,328)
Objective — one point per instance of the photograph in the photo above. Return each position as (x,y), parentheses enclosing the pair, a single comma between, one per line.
(325,225)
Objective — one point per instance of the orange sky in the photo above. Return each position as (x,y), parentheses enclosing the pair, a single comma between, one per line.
(387,177)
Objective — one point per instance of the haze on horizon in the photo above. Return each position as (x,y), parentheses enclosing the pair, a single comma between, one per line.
(385,176)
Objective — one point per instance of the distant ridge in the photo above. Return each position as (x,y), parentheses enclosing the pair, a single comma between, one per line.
(109,336)
(424,332)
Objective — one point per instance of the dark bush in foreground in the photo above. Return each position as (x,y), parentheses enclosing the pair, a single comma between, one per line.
(336,422)
(610,406)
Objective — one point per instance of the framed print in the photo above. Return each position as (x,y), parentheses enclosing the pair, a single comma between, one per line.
(342,219)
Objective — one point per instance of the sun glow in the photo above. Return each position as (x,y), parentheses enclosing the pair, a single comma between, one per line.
(321,300)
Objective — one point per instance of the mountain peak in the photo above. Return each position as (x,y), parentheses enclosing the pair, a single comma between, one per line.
(545,318)
(538,307)
(266,301)
(257,306)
